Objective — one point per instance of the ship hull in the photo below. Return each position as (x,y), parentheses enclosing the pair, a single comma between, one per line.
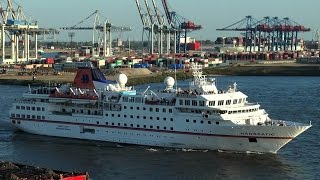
(264,139)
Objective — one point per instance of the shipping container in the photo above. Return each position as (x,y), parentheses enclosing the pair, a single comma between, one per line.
(175,66)
(49,60)
(194,46)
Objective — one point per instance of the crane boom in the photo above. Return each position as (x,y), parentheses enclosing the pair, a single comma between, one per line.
(149,11)
(166,9)
(140,13)
(160,20)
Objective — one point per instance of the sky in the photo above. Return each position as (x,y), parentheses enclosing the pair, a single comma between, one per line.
(211,14)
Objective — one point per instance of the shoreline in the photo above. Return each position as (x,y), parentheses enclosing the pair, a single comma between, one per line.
(235,70)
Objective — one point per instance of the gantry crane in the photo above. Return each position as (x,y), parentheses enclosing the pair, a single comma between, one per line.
(97,28)
(278,34)
(180,26)
(18,28)
(154,27)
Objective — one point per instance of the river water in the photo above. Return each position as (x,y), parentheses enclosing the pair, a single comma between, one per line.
(289,98)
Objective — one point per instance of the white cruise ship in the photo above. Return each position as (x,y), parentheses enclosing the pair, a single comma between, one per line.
(199,117)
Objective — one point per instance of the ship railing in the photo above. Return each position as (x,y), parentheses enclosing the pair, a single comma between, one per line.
(284,123)
(25,101)
(187,95)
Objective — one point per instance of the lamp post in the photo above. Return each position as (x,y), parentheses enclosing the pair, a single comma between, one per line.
(71,35)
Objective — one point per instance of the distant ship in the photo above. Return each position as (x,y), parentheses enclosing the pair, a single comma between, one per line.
(198,117)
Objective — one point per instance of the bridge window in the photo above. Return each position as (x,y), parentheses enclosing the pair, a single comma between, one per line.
(28,108)
(201,103)
(125,99)
(164,110)
(220,103)
(187,102)
(212,103)
(157,109)
(228,102)
(235,101)
(180,102)
(17,107)
(170,110)
(23,108)
(194,103)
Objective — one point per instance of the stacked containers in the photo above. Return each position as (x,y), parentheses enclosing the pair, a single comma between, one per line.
(119,62)
(205,63)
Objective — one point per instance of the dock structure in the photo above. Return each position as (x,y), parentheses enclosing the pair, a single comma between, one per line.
(101,32)
(21,32)
(268,34)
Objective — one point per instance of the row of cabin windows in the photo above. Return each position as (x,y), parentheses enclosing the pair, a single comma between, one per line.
(138,126)
(243,111)
(202,122)
(89,112)
(138,117)
(150,109)
(211,103)
(191,102)
(227,102)
(30,108)
(27,116)
(132,99)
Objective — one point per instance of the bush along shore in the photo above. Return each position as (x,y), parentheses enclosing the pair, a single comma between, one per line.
(181,75)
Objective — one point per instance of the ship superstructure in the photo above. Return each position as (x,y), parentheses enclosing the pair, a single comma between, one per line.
(198,117)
